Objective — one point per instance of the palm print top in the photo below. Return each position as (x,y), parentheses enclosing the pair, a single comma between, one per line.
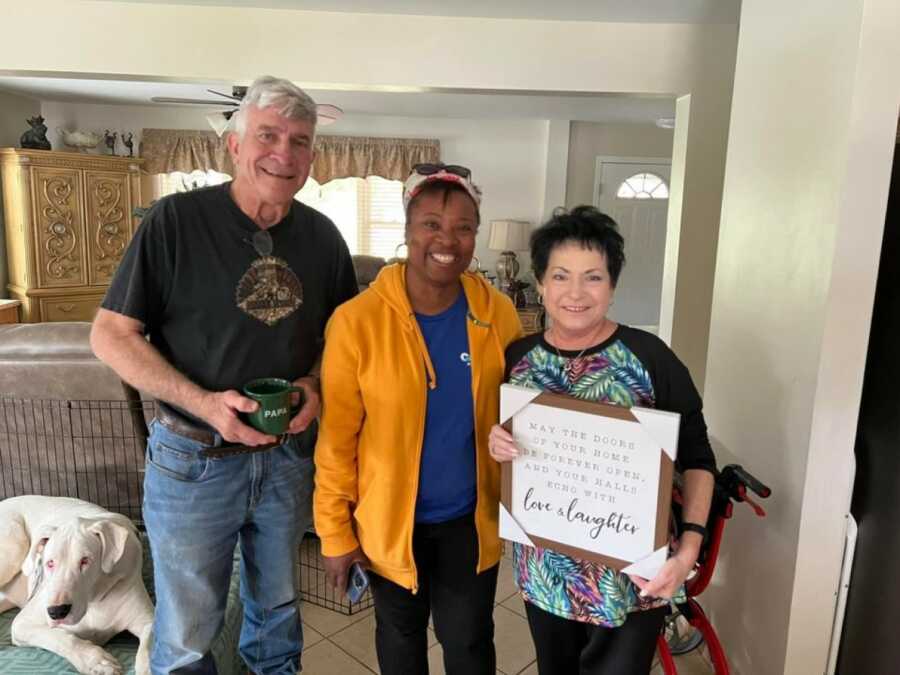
(632,367)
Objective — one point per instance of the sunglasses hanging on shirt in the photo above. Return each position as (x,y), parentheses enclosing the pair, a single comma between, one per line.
(262,243)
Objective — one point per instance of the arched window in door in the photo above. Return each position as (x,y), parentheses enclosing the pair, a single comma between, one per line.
(643,186)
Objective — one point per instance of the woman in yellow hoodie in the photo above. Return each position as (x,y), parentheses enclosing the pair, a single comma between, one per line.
(404,481)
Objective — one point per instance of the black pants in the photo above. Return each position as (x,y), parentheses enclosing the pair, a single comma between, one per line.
(566,647)
(460,601)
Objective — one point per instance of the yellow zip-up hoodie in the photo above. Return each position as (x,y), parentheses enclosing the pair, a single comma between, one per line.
(375,374)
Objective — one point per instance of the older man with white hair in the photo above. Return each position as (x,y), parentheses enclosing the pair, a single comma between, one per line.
(221,286)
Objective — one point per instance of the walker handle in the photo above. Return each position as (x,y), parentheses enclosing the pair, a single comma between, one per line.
(750,481)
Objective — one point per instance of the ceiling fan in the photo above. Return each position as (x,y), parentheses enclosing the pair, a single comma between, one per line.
(327,113)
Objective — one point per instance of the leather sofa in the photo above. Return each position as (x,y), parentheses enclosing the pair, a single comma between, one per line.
(367,268)
(54,361)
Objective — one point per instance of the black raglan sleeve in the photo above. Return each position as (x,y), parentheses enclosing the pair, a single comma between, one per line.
(675,392)
(516,351)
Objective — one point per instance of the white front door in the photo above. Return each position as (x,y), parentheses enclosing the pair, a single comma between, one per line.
(635,193)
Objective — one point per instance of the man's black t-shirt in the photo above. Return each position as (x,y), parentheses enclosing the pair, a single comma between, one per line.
(216,309)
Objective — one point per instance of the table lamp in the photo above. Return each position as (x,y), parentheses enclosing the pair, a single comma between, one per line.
(508,236)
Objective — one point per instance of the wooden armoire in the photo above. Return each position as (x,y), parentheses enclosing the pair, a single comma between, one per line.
(68,220)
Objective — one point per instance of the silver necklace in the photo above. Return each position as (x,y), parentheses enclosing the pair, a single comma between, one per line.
(572,365)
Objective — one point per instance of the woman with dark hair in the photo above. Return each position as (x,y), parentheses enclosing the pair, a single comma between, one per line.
(404,481)
(585,617)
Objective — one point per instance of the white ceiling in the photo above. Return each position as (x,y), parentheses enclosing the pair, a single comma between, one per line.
(468,105)
(601,108)
(641,11)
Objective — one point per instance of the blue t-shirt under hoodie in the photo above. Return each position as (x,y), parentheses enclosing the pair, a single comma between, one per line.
(447,475)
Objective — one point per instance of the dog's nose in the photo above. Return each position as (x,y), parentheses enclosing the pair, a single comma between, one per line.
(57,612)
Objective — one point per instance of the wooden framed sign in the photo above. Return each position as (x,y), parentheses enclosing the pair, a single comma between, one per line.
(594,480)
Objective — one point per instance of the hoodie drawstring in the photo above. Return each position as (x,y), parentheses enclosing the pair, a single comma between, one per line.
(430,375)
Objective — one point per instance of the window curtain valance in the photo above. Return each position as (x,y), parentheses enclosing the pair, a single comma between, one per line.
(168,150)
(361,156)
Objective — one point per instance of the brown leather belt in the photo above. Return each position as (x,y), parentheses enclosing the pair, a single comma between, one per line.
(182,427)
(230,450)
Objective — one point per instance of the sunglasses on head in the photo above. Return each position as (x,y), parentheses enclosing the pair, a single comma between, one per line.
(437,167)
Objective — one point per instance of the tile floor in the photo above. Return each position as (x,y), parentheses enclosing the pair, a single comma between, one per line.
(337,644)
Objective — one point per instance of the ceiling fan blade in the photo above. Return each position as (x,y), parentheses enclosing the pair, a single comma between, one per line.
(228,96)
(326,112)
(200,101)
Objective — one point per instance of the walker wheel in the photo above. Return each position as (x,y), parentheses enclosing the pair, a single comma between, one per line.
(681,636)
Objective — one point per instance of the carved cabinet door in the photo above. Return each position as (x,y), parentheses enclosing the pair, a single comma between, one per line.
(108,213)
(58,231)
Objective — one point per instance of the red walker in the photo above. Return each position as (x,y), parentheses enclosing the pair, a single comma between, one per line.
(732,484)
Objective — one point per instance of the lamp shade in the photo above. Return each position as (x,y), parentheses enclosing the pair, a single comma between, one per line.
(509,235)
(327,114)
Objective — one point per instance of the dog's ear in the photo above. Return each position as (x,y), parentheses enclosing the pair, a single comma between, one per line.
(113,537)
(39,539)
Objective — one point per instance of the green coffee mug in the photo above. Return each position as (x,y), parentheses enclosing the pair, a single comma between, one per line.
(273,416)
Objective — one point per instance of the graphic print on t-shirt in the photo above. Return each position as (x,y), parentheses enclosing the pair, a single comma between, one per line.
(269,290)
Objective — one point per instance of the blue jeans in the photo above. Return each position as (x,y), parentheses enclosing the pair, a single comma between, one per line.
(196,509)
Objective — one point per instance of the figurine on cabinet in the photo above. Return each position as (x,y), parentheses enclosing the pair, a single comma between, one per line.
(128,142)
(36,137)
(110,140)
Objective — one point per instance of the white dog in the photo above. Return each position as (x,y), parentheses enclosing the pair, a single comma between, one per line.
(75,570)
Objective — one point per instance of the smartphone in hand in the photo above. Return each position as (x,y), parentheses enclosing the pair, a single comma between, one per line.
(357,582)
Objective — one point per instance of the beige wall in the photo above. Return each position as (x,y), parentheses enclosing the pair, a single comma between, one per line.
(558,145)
(587,140)
(355,50)
(673,227)
(810,144)
(14,110)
